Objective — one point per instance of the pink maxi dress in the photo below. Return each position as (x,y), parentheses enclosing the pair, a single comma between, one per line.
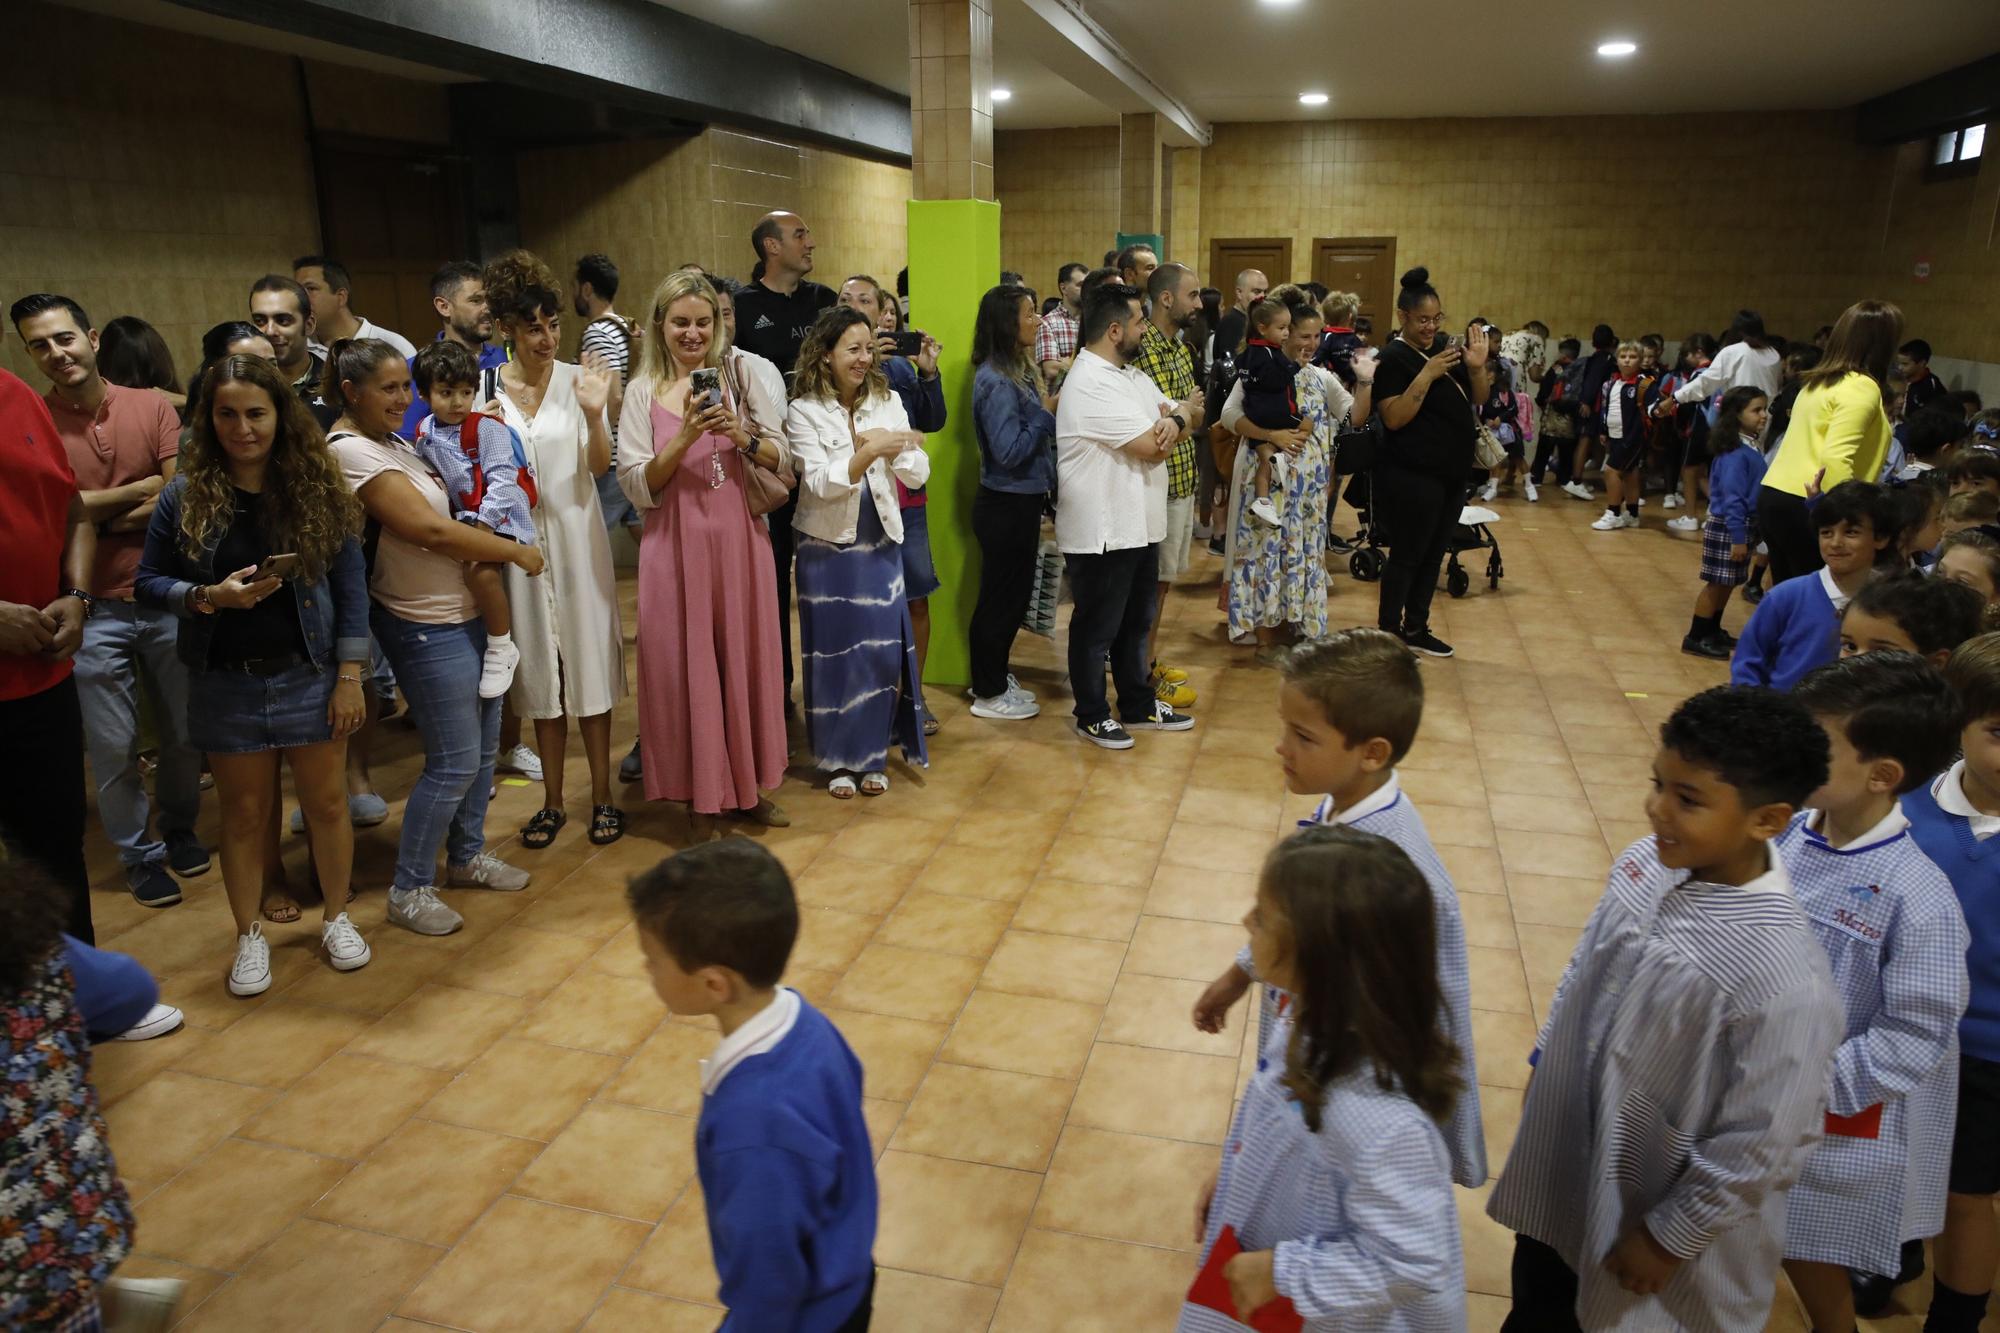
(711,678)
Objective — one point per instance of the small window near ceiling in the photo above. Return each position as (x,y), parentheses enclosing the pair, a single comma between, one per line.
(1956,152)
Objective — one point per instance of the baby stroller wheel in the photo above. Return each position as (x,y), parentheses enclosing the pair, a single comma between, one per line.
(1495,571)
(1456,580)
(1365,564)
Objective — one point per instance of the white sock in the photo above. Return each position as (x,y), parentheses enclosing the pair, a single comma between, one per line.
(499,640)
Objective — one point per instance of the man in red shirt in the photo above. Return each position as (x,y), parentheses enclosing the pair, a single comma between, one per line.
(121,445)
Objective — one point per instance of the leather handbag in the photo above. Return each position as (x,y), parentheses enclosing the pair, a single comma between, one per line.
(764,489)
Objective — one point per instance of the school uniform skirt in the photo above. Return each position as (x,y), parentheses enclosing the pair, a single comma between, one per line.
(858,650)
(1716,566)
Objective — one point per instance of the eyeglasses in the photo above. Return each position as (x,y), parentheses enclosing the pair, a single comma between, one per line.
(1427,321)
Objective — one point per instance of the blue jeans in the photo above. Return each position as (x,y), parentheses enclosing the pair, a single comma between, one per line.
(117,638)
(438,669)
(113,991)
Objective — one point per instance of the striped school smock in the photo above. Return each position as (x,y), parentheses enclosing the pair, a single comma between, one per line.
(1681,1079)
(1895,939)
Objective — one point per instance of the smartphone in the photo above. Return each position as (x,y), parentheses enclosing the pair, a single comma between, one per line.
(705,386)
(909,343)
(277,567)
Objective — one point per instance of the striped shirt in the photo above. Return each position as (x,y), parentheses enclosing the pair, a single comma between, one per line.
(1895,939)
(1360,1215)
(1681,1079)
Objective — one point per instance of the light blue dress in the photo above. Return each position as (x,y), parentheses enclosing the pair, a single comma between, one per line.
(1277,576)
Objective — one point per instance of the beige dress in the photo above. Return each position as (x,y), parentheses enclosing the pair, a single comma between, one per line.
(566,620)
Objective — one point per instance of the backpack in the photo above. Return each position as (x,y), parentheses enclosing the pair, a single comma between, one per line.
(468,443)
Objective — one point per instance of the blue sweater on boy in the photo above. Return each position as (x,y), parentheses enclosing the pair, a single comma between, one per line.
(1972,864)
(1733,479)
(1794,629)
(787,1173)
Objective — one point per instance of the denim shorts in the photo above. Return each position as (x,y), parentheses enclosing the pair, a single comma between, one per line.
(920,578)
(234,712)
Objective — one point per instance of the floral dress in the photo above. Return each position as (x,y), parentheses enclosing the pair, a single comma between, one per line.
(1277,576)
(65,1221)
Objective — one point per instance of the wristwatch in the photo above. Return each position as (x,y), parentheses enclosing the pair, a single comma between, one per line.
(1178,420)
(89,602)
(199,600)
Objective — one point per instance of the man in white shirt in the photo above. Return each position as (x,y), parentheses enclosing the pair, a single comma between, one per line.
(1114,430)
(326,282)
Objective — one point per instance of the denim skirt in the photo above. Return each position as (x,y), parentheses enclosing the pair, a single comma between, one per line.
(234,712)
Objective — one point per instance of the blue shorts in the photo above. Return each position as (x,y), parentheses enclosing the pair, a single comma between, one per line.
(920,578)
(612,501)
(234,712)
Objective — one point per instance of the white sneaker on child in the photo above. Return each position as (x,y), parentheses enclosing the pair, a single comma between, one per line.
(1672,500)
(496,672)
(1528,487)
(1608,521)
(1264,511)
(1685,523)
(1491,493)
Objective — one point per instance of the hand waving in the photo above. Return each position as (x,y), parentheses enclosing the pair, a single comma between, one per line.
(1476,346)
(593,384)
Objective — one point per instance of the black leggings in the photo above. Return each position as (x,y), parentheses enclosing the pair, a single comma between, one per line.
(1417,513)
(1786,527)
(41,794)
(1009,530)
(1544,1291)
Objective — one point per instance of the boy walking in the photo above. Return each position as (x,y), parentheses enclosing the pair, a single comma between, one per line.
(781,1148)
(1682,1072)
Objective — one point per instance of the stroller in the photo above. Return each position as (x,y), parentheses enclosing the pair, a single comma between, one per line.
(1473,532)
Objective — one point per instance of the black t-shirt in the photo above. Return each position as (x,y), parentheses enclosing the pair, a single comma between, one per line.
(268,629)
(774,325)
(1438,440)
(1230,331)
(307,387)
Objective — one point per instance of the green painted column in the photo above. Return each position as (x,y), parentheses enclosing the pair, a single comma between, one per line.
(954,251)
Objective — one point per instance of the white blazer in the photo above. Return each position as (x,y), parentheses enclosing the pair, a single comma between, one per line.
(822,446)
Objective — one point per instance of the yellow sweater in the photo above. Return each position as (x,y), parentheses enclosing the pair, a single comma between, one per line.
(1841,427)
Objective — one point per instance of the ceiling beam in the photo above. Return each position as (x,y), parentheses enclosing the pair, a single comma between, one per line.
(1078,48)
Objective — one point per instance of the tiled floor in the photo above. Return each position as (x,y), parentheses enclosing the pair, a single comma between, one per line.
(492,1131)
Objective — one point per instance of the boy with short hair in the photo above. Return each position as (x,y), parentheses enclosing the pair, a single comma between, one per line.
(1895,940)
(488,483)
(1350,706)
(781,1148)
(1969,509)
(1953,819)
(1922,442)
(1797,625)
(1975,467)
(1913,358)
(1682,1071)
(1624,408)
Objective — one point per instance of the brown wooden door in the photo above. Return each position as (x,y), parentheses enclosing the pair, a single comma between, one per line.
(392,215)
(1227,258)
(1365,265)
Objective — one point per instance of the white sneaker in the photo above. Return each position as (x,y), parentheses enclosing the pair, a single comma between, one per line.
(1629,521)
(1578,490)
(1014,688)
(1528,488)
(1671,500)
(158,1022)
(422,911)
(496,670)
(520,760)
(250,974)
(1264,511)
(1005,708)
(1609,522)
(1491,493)
(143,1304)
(345,948)
(1685,523)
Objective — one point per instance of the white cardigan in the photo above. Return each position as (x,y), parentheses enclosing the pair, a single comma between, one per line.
(822,443)
(763,395)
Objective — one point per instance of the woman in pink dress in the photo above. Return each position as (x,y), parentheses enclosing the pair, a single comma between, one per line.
(711,678)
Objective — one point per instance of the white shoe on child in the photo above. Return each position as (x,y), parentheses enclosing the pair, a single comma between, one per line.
(1529,488)
(1491,493)
(1672,500)
(1609,521)
(1264,511)
(496,672)
(1685,523)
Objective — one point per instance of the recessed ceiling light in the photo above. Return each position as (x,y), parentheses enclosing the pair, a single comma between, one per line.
(1280,4)
(1001,94)
(1616,49)
(1312,99)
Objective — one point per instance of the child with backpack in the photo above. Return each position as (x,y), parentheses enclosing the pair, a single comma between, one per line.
(485,472)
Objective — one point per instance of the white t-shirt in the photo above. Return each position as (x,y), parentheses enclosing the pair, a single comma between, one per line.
(370,329)
(1735,365)
(1107,499)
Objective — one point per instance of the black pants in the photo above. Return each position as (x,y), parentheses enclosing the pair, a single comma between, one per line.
(1787,527)
(864,1313)
(1009,530)
(781,558)
(1417,512)
(1544,1291)
(1114,609)
(1553,452)
(41,792)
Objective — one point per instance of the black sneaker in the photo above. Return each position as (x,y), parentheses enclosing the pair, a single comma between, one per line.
(186,855)
(1108,734)
(631,768)
(1753,593)
(1427,643)
(1338,544)
(1164,718)
(152,886)
(1216,546)
(1708,646)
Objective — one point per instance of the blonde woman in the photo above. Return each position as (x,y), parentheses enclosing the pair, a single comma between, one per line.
(711,664)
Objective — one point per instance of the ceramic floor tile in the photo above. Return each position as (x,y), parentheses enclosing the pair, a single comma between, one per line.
(1126,1187)
(1000,873)
(985,1115)
(529,1089)
(595,1011)
(1088,856)
(1497,980)
(1191,950)
(345,1279)
(1158,1012)
(615,1159)
(428,1183)
(624,1311)
(227,1206)
(442,1027)
(1124,1088)
(1024,1033)
(1201,895)
(526,1268)
(946,923)
(664,1074)
(851,885)
(830,938)
(894,1052)
(951,1219)
(1581,857)
(916,1303)
(1071,907)
(1553,900)
(676,1260)
(1056,967)
(276,1046)
(174,1118)
(343,1108)
(1548,782)
(1131,1286)
(907,983)
(515,960)
(888,839)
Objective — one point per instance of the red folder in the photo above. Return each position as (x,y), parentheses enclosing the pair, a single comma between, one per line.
(1211,1291)
(1862,1125)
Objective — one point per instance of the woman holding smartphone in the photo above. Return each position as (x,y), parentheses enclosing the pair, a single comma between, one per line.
(255,544)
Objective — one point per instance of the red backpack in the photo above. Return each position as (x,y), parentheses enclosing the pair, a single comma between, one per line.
(468,441)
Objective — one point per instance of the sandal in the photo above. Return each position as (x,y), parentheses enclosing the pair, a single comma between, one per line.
(278,908)
(931,724)
(607,824)
(874,784)
(540,831)
(841,788)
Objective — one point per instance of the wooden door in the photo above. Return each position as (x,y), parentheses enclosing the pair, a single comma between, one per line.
(1227,258)
(392,214)
(1365,265)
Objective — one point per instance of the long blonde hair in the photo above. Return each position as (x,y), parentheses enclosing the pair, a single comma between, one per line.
(656,364)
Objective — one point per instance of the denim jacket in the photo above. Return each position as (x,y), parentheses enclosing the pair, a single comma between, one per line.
(1017,435)
(333,612)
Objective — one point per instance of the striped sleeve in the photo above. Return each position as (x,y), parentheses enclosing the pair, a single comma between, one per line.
(1924,994)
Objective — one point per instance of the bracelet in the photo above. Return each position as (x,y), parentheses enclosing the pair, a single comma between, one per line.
(352,680)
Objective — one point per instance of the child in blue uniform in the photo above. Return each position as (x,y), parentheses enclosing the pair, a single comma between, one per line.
(1350,707)
(781,1148)
(1954,819)
(1332,1208)
(1797,625)
(1895,941)
(1735,471)
(1910,612)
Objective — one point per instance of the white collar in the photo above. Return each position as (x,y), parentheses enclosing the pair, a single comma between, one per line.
(1833,592)
(1887,829)
(1949,791)
(1773,880)
(1381,798)
(755,1037)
